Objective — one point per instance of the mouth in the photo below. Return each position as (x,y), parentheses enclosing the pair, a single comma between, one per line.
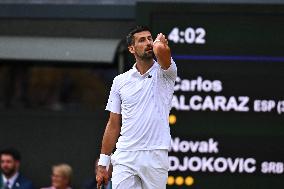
(149,49)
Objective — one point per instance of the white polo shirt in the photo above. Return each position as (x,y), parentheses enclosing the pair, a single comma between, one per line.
(144,102)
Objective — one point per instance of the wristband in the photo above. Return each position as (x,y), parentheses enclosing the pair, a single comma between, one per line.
(104,160)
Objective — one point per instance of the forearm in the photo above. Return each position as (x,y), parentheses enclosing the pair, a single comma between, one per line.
(110,138)
(162,51)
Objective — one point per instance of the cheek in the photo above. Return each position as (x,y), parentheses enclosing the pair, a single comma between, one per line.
(65,182)
(55,179)
(139,48)
(6,165)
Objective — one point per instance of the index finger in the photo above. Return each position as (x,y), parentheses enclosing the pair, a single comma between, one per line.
(159,36)
(99,182)
(100,186)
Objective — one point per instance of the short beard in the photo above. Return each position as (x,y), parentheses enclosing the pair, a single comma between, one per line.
(9,173)
(146,56)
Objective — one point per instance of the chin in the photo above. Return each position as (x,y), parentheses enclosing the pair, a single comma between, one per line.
(55,185)
(148,56)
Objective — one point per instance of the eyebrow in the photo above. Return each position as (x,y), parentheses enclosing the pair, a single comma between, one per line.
(145,37)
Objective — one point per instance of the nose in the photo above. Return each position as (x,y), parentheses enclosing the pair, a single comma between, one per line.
(149,42)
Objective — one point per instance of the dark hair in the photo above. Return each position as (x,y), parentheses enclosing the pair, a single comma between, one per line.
(12,152)
(137,29)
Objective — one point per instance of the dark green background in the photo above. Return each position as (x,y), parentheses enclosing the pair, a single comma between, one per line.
(231,30)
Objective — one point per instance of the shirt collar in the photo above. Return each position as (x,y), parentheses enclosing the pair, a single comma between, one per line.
(52,187)
(137,73)
(11,180)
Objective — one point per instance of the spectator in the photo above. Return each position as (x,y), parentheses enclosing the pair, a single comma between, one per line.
(10,177)
(61,177)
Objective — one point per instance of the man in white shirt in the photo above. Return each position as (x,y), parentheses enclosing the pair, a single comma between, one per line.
(139,105)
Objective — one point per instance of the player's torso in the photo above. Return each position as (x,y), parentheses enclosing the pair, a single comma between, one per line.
(144,108)
(137,90)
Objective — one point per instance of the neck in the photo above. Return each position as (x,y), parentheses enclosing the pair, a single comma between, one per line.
(62,187)
(144,65)
(10,176)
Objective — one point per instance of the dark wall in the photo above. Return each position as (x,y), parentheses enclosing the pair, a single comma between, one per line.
(114,29)
(47,138)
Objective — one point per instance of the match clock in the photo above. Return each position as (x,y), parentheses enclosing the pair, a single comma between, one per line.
(189,35)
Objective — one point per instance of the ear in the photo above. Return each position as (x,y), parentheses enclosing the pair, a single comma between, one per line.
(131,49)
(17,164)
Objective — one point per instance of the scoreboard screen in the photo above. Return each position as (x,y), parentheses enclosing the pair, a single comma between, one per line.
(227,117)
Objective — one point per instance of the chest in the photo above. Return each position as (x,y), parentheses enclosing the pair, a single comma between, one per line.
(138,89)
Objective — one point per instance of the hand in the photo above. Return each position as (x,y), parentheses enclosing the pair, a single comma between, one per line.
(162,51)
(102,176)
(161,38)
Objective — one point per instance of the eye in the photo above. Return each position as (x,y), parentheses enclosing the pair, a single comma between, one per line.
(142,39)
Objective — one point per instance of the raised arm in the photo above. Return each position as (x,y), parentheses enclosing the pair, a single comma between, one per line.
(162,51)
(109,140)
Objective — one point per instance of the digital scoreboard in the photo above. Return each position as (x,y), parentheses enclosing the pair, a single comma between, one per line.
(227,117)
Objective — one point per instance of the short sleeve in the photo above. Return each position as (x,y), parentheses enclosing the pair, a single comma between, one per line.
(171,72)
(114,101)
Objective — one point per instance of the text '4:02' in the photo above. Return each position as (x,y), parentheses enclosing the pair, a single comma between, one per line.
(188,36)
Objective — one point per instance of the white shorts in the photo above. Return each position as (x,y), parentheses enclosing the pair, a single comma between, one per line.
(145,169)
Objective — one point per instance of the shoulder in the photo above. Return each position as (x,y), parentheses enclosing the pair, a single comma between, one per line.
(24,183)
(124,75)
(121,78)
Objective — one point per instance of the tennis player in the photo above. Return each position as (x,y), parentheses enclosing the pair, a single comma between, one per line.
(139,105)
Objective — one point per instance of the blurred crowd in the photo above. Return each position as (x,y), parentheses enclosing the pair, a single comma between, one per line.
(53,88)
(61,174)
